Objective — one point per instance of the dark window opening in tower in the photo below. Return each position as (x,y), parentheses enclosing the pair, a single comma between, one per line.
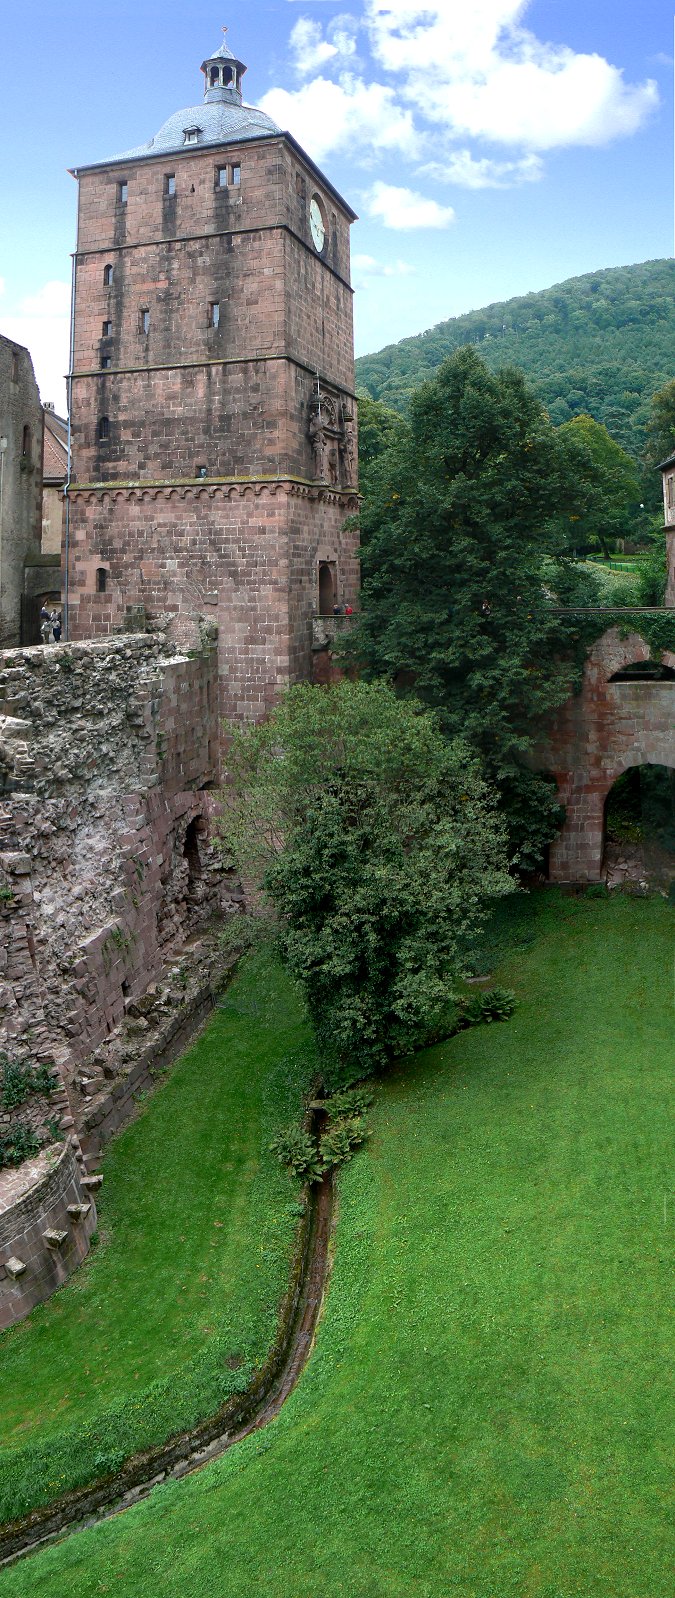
(170,183)
(236,176)
(192,855)
(221,177)
(326,589)
(103,428)
(214,313)
(107,276)
(123,192)
(26,443)
(144,321)
(101,580)
(228,77)
(107,329)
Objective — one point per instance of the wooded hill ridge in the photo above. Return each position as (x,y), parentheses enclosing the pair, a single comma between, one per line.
(601,344)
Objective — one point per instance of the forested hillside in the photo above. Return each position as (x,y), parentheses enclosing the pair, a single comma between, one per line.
(601,344)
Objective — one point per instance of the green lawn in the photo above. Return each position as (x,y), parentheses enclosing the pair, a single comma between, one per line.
(485,1414)
(197,1224)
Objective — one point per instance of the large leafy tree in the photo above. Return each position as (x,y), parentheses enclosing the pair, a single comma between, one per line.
(378,845)
(660,442)
(613,490)
(467,532)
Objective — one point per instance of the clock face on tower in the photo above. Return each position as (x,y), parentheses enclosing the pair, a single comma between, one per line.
(317,224)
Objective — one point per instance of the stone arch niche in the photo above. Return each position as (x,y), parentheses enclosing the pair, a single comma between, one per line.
(639,826)
(621,718)
(327,587)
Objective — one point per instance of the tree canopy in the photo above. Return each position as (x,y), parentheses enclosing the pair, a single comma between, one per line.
(379,846)
(613,488)
(466,539)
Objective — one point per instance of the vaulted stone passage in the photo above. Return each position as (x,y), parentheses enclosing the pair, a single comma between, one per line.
(640,827)
(623,718)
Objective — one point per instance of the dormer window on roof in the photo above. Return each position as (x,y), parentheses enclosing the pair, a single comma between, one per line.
(191,135)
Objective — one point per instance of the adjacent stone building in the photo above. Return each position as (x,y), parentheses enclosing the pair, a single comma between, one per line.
(213,411)
(20,484)
(54,477)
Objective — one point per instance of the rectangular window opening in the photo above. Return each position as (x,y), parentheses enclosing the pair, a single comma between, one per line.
(144,321)
(170,183)
(236,176)
(214,313)
(107,329)
(221,177)
(105,362)
(107,276)
(123,192)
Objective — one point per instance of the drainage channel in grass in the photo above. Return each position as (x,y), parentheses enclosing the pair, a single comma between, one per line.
(178,1304)
(484,1411)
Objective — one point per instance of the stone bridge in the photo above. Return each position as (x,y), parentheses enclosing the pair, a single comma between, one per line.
(596,736)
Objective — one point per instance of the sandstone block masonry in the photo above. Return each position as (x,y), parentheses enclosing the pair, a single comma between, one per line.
(206,323)
(595,737)
(45,1230)
(21,442)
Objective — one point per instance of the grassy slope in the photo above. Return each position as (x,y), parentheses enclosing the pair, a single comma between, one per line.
(484,1413)
(198,1226)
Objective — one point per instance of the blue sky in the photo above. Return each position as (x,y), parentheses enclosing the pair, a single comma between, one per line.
(490,146)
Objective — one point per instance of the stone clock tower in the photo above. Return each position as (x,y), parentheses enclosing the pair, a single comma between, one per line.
(213,413)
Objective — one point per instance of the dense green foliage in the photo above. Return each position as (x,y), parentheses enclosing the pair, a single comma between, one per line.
(484,1413)
(601,343)
(178,1305)
(377,843)
(660,443)
(466,535)
(612,508)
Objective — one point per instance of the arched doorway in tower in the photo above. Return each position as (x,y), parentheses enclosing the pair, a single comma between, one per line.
(639,831)
(327,587)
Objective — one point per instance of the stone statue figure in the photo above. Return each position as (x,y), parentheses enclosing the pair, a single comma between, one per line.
(349,447)
(318,440)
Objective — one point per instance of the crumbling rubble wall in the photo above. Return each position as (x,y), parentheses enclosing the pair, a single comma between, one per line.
(106,764)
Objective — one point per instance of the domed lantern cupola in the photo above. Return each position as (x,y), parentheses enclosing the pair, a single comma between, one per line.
(222,76)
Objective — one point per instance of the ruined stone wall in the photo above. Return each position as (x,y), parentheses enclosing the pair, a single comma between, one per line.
(595,737)
(106,754)
(21,423)
(47,1217)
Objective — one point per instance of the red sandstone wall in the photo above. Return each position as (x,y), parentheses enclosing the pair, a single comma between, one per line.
(235,400)
(596,736)
(247,559)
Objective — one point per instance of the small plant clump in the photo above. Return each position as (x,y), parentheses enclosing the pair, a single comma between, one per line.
(309,1156)
(20,1081)
(496,1004)
(18,1145)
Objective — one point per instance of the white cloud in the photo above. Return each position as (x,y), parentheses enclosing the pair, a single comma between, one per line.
(469,172)
(478,71)
(327,116)
(311,50)
(403,209)
(41,322)
(365,268)
(309,47)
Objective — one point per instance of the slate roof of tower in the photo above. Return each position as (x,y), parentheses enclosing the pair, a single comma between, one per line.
(219,122)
